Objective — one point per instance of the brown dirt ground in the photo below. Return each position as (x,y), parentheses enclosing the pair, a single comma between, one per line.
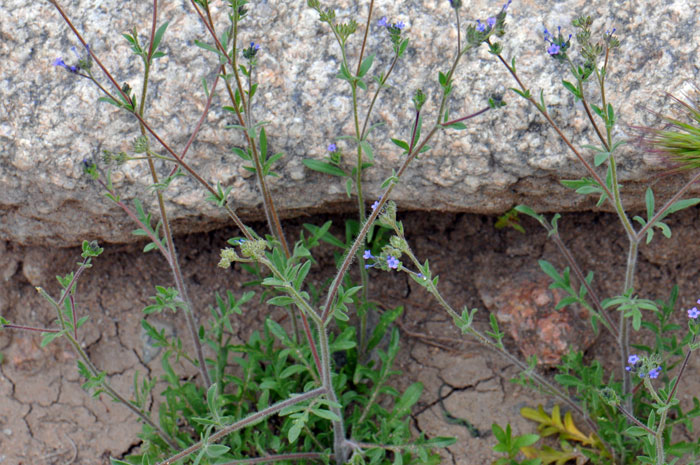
(46,418)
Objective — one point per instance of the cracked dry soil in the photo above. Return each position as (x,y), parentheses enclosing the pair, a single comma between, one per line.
(46,418)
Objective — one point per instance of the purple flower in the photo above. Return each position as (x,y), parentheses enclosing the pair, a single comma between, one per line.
(59,62)
(481,27)
(367,255)
(400,25)
(553,49)
(641,374)
(75,52)
(491,21)
(383,22)
(557,45)
(653,374)
(332,147)
(392,262)
(633,359)
(375,204)
(506,5)
(250,52)
(420,275)
(693,313)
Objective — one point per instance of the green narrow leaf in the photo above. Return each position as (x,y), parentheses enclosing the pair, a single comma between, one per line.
(649,198)
(366,65)
(263,144)
(323,167)
(159,36)
(401,144)
(367,149)
(48,337)
(571,88)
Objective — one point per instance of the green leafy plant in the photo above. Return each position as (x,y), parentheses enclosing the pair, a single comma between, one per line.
(309,392)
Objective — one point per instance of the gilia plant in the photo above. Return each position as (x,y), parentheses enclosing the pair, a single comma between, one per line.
(630,415)
(280,393)
(630,410)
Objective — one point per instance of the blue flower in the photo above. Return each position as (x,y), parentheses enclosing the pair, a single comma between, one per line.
(653,374)
(392,262)
(400,25)
(491,21)
(557,45)
(367,255)
(633,359)
(693,313)
(383,22)
(332,147)
(506,5)
(250,52)
(553,49)
(375,204)
(481,27)
(59,62)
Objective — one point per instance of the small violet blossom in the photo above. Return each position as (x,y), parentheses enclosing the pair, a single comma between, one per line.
(491,21)
(693,313)
(557,44)
(367,255)
(383,22)
(59,62)
(653,374)
(400,25)
(250,52)
(632,360)
(332,147)
(506,5)
(553,49)
(375,204)
(392,262)
(481,27)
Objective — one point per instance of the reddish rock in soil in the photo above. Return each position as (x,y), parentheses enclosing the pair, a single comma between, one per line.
(525,308)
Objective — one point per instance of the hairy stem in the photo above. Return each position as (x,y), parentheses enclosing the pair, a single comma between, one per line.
(247,421)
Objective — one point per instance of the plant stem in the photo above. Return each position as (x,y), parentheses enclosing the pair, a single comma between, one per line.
(112,392)
(167,232)
(339,450)
(568,256)
(364,38)
(279,457)
(250,420)
(624,326)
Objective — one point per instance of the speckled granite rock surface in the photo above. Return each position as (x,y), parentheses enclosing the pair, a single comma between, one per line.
(50,121)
